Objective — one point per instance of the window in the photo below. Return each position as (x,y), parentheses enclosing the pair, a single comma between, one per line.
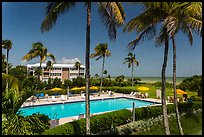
(57,68)
(55,74)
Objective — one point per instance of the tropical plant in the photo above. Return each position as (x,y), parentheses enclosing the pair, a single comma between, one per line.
(20,72)
(7,44)
(145,25)
(4,63)
(38,50)
(77,65)
(112,15)
(119,80)
(131,60)
(175,16)
(101,51)
(105,72)
(96,75)
(49,66)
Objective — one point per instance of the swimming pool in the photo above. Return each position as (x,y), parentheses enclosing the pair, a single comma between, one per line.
(75,108)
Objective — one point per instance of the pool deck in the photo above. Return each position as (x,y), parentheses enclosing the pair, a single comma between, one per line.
(48,101)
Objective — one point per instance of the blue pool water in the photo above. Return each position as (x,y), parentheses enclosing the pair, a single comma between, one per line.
(76,108)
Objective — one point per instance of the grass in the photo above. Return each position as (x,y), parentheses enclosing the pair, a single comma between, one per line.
(152,90)
(191,124)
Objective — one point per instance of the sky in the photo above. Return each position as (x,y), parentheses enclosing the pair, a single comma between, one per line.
(21,22)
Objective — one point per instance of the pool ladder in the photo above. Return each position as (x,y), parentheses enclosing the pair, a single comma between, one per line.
(54,116)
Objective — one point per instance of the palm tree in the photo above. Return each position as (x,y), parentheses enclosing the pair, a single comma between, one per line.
(105,73)
(164,14)
(7,44)
(38,50)
(131,60)
(112,15)
(180,20)
(49,66)
(145,24)
(77,65)
(101,51)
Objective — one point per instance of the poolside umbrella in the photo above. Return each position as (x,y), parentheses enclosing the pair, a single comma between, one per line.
(143,88)
(76,88)
(179,91)
(83,88)
(94,88)
(54,89)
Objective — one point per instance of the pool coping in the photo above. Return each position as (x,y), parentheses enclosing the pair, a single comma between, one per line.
(74,101)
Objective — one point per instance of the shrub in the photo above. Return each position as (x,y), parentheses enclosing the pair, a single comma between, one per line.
(103,122)
(98,123)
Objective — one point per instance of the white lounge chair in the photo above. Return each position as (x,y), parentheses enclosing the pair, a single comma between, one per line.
(146,95)
(131,94)
(62,98)
(53,99)
(82,95)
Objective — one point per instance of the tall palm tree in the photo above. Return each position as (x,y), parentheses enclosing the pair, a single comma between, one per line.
(112,15)
(77,65)
(131,60)
(179,20)
(7,44)
(38,50)
(164,12)
(101,51)
(145,25)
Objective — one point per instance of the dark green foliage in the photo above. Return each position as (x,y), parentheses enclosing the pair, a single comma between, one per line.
(19,72)
(106,121)
(39,122)
(78,82)
(193,83)
(57,83)
(98,123)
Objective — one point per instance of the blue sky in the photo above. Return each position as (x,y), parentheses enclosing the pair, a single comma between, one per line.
(21,23)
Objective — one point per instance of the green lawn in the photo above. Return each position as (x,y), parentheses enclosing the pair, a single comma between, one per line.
(152,91)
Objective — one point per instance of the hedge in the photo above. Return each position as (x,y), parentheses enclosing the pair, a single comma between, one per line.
(98,123)
(125,90)
(106,121)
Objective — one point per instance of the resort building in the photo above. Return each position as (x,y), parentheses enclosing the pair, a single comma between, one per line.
(61,71)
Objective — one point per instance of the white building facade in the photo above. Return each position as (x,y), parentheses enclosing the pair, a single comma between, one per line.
(61,71)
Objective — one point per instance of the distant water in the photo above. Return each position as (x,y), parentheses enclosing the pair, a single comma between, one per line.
(159,79)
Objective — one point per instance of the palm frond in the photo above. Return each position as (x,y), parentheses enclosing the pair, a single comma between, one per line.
(160,39)
(187,30)
(171,25)
(107,20)
(51,56)
(148,33)
(53,10)
(12,81)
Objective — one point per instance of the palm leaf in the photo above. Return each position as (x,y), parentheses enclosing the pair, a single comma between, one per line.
(148,33)
(53,10)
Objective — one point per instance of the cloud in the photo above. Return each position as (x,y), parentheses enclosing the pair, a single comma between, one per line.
(68,61)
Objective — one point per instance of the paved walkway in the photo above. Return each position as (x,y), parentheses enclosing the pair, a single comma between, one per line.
(48,101)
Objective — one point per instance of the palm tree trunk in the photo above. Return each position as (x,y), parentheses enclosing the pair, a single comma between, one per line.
(78,71)
(102,76)
(87,68)
(7,59)
(174,86)
(164,108)
(132,74)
